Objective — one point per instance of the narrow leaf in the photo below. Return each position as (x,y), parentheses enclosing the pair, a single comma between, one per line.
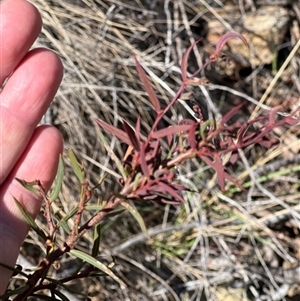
(14,292)
(204,127)
(273,114)
(43,297)
(64,225)
(293,118)
(65,219)
(231,113)
(184,62)
(234,181)
(156,147)
(60,295)
(30,186)
(224,39)
(58,180)
(147,85)
(29,220)
(137,180)
(16,270)
(138,127)
(132,135)
(115,131)
(76,166)
(143,162)
(167,188)
(97,264)
(218,167)
(191,137)
(240,135)
(171,130)
(96,238)
(134,212)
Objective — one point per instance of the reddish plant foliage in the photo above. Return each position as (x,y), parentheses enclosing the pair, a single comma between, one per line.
(151,171)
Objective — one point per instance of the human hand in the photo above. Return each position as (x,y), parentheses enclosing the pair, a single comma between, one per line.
(26,151)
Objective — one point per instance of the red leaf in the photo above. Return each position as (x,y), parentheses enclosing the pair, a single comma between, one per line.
(167,188)
(148,87)
(115,131)
(269,143)
(184,62)
(155,145)
(231,113)
(191,138)
(291,120)
(171,130)
(219,168)
(223,40)
(234,181)
(217,165)
(132,135)
(273,114)
(144,165)
(241,135)
(138,126)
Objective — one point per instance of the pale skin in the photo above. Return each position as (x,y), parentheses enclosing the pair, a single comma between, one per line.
(27,151)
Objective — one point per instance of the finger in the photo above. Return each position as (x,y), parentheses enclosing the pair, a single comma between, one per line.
(19,27)
(24,100)
(39,161)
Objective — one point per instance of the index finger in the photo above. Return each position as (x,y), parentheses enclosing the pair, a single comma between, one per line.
(20,24)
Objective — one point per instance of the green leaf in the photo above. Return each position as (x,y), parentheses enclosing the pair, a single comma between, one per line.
(63,221)
(204,127)
(30,186)
(29,220)
(76,166)
(16,291)
(97,238)
(115,212)
(44,297)
(17,270)
(60,295)
(136,180)
(97,264)
(58,180)
(94,207)
(134,212)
